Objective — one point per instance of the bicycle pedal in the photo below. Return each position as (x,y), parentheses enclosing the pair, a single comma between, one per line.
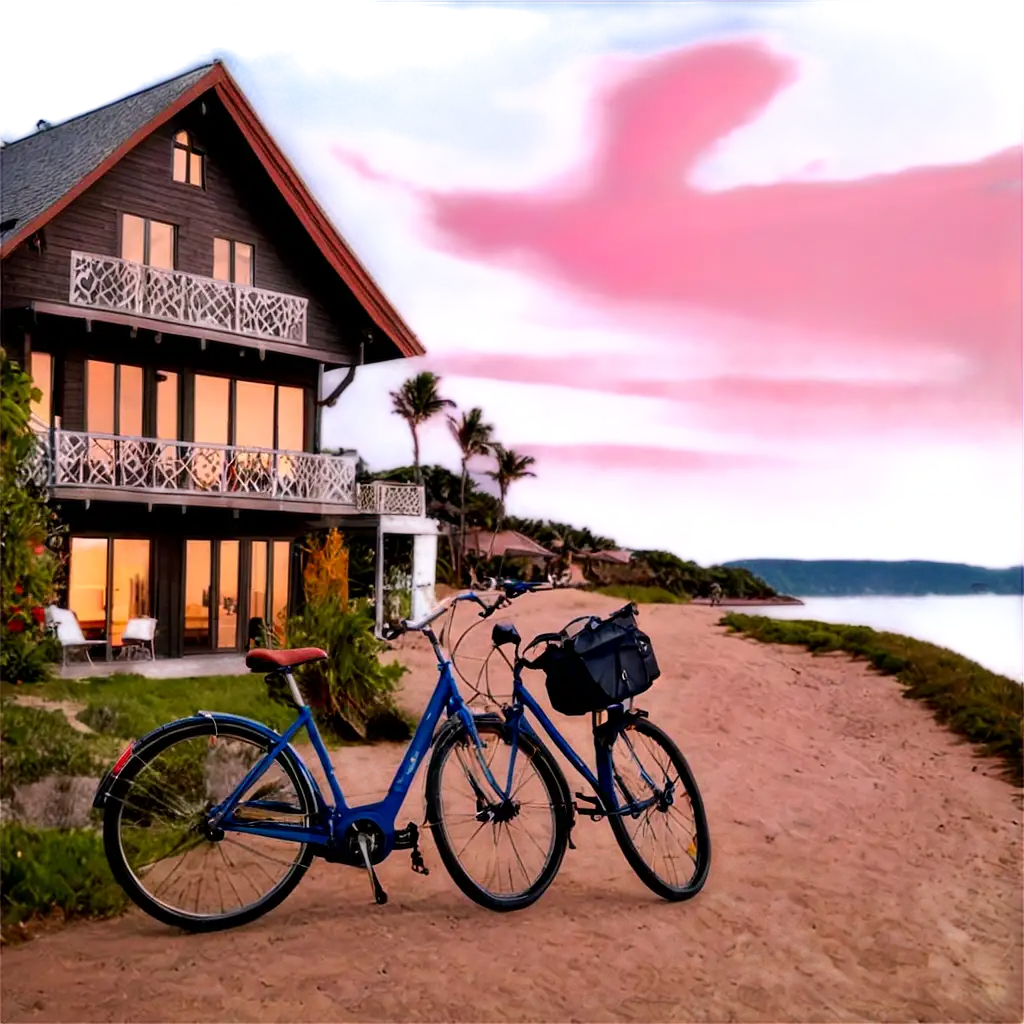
(590,799)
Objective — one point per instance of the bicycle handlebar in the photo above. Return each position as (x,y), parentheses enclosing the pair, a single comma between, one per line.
(512,589)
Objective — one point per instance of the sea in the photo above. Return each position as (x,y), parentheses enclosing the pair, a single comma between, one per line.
(986,628)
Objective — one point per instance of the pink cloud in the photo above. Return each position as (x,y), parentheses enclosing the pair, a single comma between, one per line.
(925,261)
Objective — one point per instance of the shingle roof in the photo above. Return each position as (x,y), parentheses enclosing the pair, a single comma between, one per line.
(40,169)
(506,542)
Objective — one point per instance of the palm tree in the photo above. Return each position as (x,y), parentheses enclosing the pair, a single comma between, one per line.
(416,401)
(511,466)
(473,437)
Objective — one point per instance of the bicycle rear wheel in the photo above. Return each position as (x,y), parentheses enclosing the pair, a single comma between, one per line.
(159,851)
(667,843)
(501,854)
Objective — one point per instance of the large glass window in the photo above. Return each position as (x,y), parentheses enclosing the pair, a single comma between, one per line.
(129,401)
(290,419)
(114,396)
(147,241)
(282,562)
(257,591)
(41,368)
(87,585)
(233,261)
(188,160)
(167,405)
(99,397)
(130,584)
(227,596)
(254,414)
(198,577)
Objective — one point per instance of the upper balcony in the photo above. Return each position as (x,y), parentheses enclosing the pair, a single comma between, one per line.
(93,466)
(174,297)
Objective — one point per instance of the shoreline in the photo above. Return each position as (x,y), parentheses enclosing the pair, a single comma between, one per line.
(747,602)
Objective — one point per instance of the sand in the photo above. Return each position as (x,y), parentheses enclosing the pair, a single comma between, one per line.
(866,866)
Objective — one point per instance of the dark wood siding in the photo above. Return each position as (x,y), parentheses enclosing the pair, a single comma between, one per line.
(239,202)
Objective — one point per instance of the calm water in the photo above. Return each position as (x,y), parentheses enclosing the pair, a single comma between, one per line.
(985,628)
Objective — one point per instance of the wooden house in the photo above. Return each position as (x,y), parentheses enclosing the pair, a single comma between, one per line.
(178,295)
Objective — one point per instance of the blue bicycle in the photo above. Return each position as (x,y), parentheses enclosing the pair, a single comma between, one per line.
(211,821)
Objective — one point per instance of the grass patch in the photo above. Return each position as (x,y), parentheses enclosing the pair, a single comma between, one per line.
(642,595)
(972,701)
(51,871)
(36,743)
(128,706)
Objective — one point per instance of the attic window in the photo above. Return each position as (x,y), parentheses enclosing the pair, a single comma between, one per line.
(188,161)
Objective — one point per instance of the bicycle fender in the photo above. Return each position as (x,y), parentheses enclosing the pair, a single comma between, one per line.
(211,718)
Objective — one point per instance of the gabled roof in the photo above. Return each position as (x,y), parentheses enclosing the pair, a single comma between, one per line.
(44,172)
(506,542)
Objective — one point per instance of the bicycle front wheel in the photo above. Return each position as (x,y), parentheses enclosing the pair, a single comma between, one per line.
(502,854)
(665,838)
(154,836)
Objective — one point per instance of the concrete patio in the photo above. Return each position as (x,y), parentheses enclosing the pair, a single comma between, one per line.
(162,668)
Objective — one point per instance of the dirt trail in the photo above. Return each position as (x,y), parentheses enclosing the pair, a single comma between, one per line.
(866,866)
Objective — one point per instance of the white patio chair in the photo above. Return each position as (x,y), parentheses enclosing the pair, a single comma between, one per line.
(138,637)
(64,624)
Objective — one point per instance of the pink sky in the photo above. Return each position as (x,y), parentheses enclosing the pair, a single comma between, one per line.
(812,336)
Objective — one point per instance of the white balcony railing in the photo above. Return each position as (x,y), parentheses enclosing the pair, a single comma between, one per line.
(105,461)
(73,458)
(390,499)
(106,282)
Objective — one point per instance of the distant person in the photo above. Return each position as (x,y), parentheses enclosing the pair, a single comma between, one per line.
(716,593)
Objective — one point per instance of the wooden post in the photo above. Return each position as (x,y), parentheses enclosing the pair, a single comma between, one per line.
(378,590)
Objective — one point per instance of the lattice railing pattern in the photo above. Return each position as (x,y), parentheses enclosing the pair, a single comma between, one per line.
(106,282)
(146,464)
(389,499)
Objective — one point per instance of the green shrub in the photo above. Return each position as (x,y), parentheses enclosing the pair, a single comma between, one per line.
(982,706)
(352,692)
(642,595)
(44,870)
(27,568)
(36,743)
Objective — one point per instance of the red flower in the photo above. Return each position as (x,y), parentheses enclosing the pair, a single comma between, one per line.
(16,625)
(39,549)
(19,589)
(39,615)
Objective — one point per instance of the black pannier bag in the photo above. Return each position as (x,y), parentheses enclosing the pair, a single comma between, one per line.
(606,662)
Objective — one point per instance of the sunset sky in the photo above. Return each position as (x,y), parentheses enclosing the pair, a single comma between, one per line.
(744,277)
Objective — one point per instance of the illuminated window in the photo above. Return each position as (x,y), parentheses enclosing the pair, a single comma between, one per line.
(198,588)
(87,585)
(189,162)
(233,261)
(227,595)
(130,584)
(113,398)
(42,378)
(147,241)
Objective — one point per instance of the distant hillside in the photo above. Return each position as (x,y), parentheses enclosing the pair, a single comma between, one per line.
(852,578)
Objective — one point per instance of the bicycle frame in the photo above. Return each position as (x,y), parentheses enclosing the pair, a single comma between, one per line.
(603,782)
(340,817)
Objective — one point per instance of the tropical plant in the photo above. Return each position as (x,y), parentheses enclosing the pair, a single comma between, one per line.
(28,570)
(326,571)
(417,401)
(510,466)
(352,691)
(473,436)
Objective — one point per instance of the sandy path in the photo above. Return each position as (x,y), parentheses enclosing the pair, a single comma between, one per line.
(866,866)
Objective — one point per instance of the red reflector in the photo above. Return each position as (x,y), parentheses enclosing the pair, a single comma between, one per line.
(124,758)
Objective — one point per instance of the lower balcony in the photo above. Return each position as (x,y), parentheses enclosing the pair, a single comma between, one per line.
(92,466)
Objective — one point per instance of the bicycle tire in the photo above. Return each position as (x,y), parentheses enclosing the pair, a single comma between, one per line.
(701,838)
(118,861)
(556,787)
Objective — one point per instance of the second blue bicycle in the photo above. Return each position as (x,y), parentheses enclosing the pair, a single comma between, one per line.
(211,821)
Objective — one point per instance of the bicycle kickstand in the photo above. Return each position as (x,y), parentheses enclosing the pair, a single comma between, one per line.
(379,895)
